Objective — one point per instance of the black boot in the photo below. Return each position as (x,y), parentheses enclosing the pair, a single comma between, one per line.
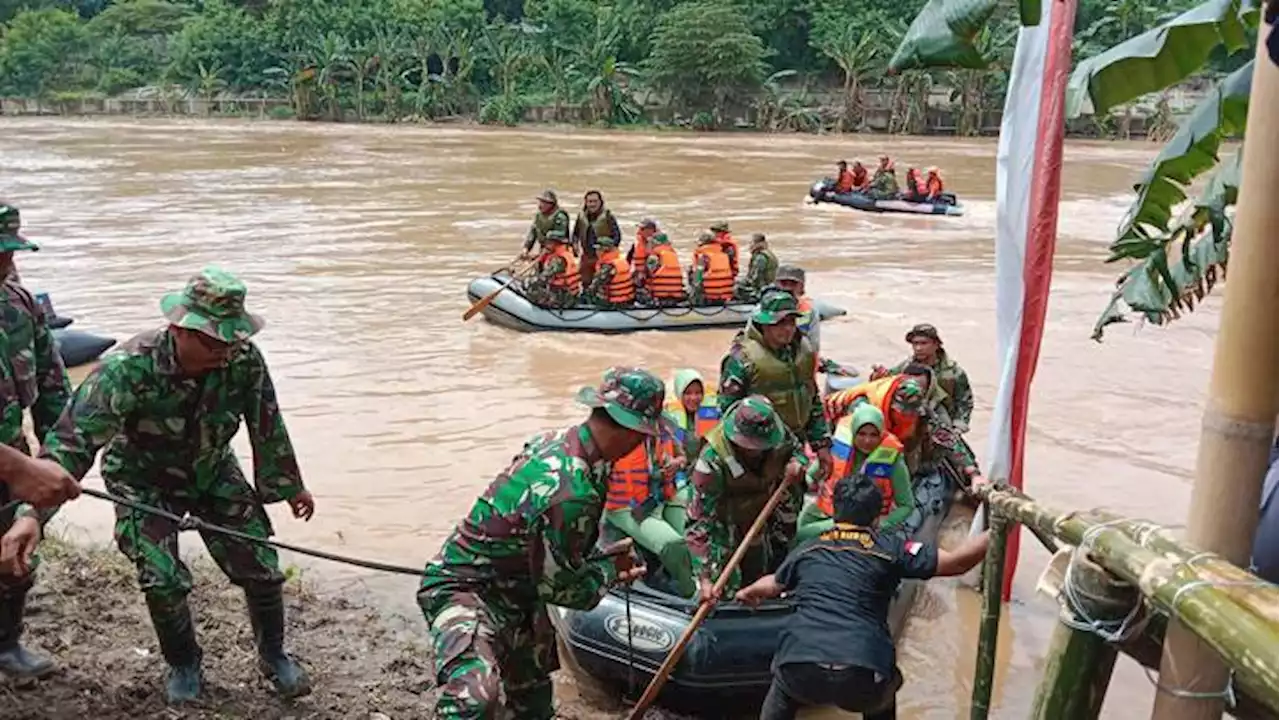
(177,636)
(15,660)
(266,612)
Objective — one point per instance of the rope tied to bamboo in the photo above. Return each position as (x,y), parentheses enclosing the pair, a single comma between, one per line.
(1080,618)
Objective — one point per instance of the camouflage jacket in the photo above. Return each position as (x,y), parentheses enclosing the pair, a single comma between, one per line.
(32,374)
(527,537)
(161,429)
(736,372)
(543,224)
(762,270)
(954,381)
(597,293)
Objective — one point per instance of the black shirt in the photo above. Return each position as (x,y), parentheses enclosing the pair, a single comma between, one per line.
(843,583)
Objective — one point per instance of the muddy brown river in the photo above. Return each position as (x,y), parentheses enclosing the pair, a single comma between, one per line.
(357,243)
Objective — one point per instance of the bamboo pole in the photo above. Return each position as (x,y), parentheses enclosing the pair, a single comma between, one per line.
(1079,663)
(1239,418)
(989,629)
(1247,643)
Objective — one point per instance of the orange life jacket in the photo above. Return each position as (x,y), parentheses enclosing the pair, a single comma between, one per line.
(860,178)
(915,186)
(730,247)
(880,394)
(568,279)
(667,281)
(638,474)
(933,186)
(639,252)
(844,183)
(717,277)
(879,464)
(621,290)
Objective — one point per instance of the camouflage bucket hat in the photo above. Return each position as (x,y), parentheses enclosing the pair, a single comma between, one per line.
(752,423)
(548,196)
(10,222)
(908,397)
(790,273)
(722,226)
(924,330)
(775,305)
(632,397)
(705,237)
(213,303)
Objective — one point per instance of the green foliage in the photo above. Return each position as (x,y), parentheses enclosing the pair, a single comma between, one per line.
(42,52)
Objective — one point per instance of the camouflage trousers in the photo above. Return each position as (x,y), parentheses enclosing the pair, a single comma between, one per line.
(769,549)
(11,586)
(151,542)
(486,646)
(543,295)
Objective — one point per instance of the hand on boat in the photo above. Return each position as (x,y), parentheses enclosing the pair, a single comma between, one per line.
(707,592)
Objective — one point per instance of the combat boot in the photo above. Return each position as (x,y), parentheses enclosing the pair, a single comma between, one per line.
(266,612)
(177,636)
(15,660)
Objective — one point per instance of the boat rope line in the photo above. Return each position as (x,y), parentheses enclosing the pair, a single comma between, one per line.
(190,522)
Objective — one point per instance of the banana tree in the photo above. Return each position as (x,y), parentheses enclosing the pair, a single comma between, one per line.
(1177,261)
(855,53)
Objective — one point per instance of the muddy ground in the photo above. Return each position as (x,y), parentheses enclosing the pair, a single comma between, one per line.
(87,613)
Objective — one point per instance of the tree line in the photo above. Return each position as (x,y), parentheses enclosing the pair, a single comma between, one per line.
(785,65)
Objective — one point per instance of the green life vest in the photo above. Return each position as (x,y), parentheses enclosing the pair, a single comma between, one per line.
(745,492)
(790,386)
(601,225)
(543,224)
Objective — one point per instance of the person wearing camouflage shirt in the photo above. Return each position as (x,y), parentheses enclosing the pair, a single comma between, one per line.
(938,440)
(33,377)
(524,545)
(742,462)
(612,285)
(165,406)
(926,349)
(761,272)
(556,282)
(550,216)
(771,358)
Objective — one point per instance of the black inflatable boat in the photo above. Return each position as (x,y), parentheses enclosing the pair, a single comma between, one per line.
(725,668)
(946,204)
(76,346)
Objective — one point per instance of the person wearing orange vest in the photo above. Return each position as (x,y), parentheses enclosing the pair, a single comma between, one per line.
(844,178)
(862,445)
(612,285)
(932,183)
(727,243)
(711,274)
(641,486)
(664,283)
(915,190)
(638,255)
(556,282)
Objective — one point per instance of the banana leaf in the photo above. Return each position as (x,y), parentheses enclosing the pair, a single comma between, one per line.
(1192,151)
(1162,289)
(944,34)
(1159,57)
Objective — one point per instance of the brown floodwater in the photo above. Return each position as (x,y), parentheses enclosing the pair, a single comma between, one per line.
(357,243)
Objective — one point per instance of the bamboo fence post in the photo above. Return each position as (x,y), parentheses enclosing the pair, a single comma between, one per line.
(1079,663)
(989,629)
(1239,418)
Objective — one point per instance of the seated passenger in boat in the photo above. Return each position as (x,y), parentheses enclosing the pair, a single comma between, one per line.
(761,272)
(836,649)
(727,244)
(693,412)
(844,178)
(612,286)
(664,280)
(710,275)
(555,282)
(862,446)
(915,190)
(742,463)
(884,185)
(933,184)
(642,503)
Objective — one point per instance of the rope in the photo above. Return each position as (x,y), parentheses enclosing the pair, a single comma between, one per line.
(631,650)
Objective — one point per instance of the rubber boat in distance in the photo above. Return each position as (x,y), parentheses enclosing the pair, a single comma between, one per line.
(725,668)
(75,346)
(946,204)
(511,309)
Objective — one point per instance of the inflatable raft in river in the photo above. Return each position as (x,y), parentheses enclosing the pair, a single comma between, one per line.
(725,668)
(75,346)
(511,309)
(946,204)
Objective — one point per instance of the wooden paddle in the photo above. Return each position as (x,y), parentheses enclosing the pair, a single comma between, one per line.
(704,609)
(484,302)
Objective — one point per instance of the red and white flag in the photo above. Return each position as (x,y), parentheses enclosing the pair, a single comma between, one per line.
(1028,187)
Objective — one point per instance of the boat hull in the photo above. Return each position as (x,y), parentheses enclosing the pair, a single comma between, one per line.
(866,203)
(511,309)
(80,348)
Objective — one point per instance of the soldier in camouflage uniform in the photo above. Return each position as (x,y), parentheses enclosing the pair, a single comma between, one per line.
(761,272)
(540,289)
(596,292)
(523,545)
(743,460)
(771,358)
(938,439)
(550,216)
(34,377)
(166,406)
(926,349)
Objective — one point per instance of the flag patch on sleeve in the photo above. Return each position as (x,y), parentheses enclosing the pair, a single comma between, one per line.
(913,547)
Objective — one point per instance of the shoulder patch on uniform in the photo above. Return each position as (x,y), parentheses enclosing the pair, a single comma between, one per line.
(913,547)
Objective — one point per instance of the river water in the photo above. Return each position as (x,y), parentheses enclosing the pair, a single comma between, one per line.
(357,243)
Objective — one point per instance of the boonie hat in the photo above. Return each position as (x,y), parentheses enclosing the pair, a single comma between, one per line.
(908,397)
(213,303)
(721,226)
(924,330)
(548,196)
(791,273)
(775,305)
(10,222)
(752,423)
(632,397)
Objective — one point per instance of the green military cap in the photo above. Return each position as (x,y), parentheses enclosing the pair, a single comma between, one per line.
(705,237)
(549,195)
(924,330)
(908,397)
(632,397)
(660,239)
(775,305)
(758,239)
(213,303)
(721,226)
(792,273)
(10,222)
(557,235)
(752,423)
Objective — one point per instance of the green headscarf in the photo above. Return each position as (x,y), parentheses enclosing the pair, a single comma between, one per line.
(867,414)
(684,378)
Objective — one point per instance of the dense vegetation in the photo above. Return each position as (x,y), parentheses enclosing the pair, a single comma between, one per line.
(784,64)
